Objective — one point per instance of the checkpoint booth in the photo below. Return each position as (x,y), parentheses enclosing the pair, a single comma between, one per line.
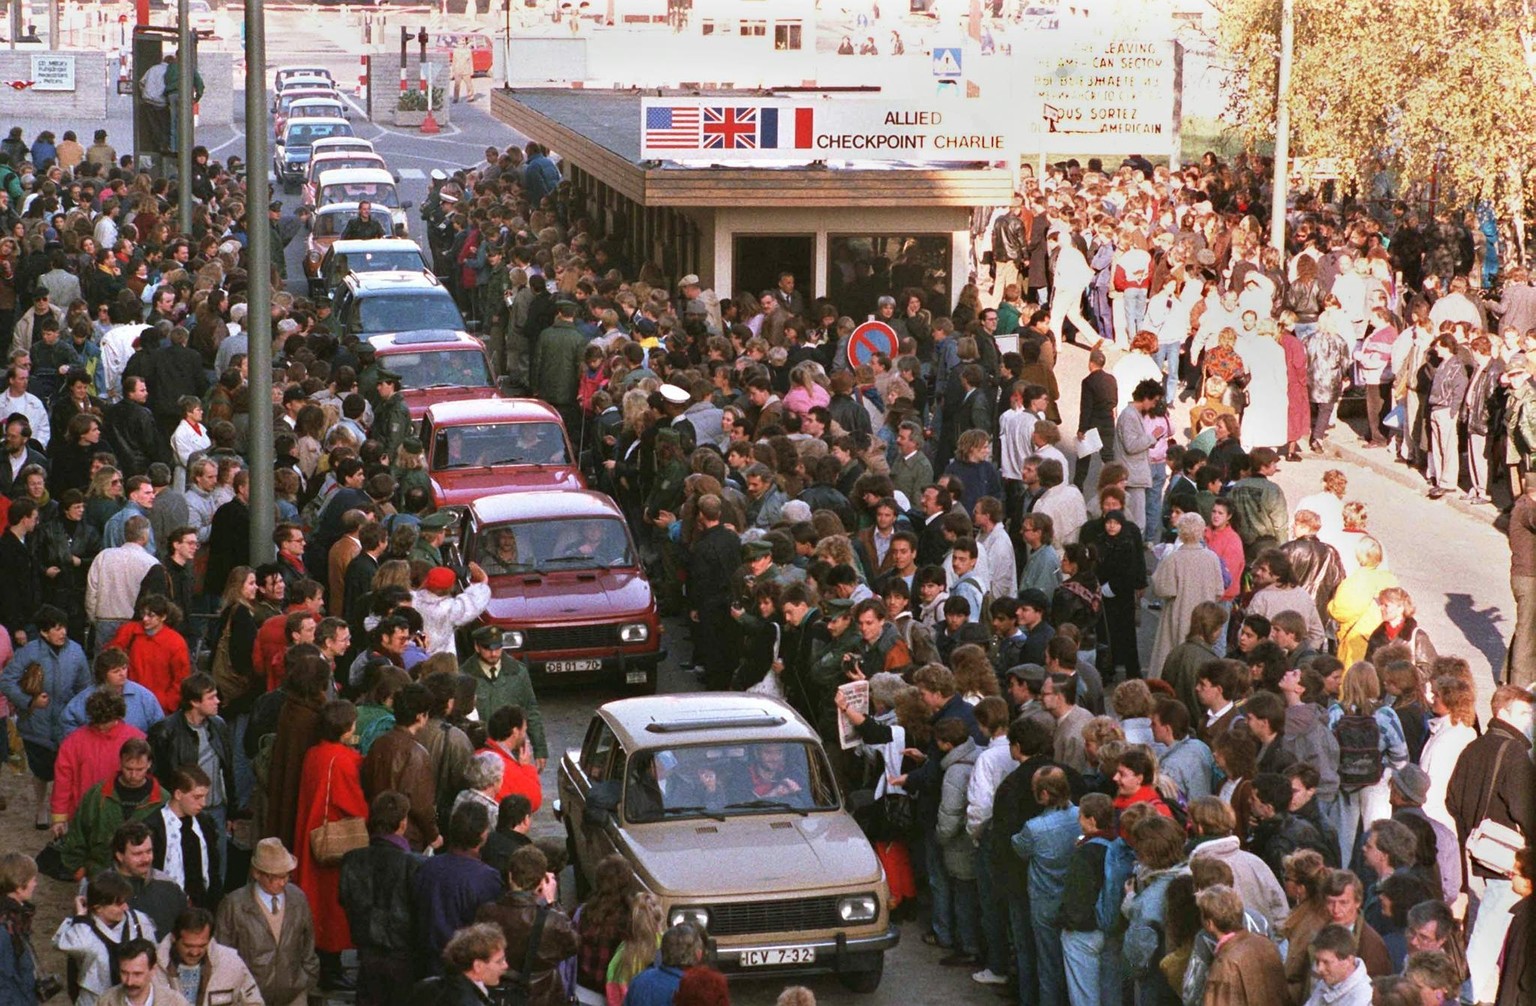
(854,195)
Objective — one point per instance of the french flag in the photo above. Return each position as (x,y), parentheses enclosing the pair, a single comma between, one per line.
(796,133)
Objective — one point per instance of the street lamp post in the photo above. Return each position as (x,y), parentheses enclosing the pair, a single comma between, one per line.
(259,281)
(1283,126)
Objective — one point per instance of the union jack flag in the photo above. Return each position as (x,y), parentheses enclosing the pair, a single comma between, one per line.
(730,128)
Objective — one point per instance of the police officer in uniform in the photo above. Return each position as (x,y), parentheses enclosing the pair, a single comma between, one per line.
(429,543)
(391,418)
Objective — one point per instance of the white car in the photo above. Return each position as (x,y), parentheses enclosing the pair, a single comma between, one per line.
(201,18)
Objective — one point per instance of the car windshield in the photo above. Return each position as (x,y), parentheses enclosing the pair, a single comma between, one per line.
(728,781)
(326,111)
(445,367)
(357,192)
(302,134)
(389,260)
(542,546)
(285,104)
(499,444)
(329,162)
(408,313)
(330,225)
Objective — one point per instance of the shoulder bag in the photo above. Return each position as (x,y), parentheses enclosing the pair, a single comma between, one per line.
(1492,845)
(334,839)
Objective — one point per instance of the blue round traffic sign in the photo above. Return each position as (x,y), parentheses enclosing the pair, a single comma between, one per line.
(868,339)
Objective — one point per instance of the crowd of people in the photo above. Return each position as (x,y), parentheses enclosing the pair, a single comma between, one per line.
(253,767)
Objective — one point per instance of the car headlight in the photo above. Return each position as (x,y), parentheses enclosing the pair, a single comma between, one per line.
(635,632)
(859,908)
(696,917)
(512,639)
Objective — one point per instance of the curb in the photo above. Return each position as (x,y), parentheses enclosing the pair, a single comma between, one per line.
(1380,462)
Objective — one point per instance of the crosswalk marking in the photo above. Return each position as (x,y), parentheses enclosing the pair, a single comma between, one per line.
(412,173)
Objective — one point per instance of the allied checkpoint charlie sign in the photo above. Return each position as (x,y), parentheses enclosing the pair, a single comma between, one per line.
(1086,96)
(753,129)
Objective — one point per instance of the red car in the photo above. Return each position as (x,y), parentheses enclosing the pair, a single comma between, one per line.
(436,365)
(568,589)
(495,445)
(479,47)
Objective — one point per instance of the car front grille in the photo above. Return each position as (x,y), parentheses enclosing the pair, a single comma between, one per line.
(572,637)
(787,916)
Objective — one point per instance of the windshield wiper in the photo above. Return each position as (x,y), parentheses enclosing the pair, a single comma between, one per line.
(766,804)
(704,811)
(460,464)
(518,461)
(585,560)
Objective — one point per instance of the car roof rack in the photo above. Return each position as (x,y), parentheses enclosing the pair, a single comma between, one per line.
(747,718)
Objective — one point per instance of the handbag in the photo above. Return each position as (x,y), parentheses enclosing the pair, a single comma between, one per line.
(1492,845)
(771,686)
(1397,418)
(334,839)
(32,681)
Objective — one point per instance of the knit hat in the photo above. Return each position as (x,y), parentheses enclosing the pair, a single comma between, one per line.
(440,580)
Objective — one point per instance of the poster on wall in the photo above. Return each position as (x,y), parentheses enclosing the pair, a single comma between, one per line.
(53,72)
(1098,97)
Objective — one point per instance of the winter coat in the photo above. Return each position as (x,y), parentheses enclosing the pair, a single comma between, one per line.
(1476,794)
(66,673)
(374,889)
(18,960)
(442,615)
(1308,740)
(1260,889)
(1355,610)
(298,730)
(173,742)
(87,757)
(1328,362)
(330,789)
(159,662)
(516,913)
(1247,971)
(510,687)
(226,981)
(86,848)
(1143,944)
(398,761)
(1183,578)
(959,851)
(81,939)
(285,967)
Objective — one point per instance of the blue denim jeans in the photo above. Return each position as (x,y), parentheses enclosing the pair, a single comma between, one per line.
(245,775)
(1167,357)
(1080,953)
(1022,928)
(942,919)
(1050,965)
(1134,303)
(1154,528)
(967,902)
(1112,972)
(994,910)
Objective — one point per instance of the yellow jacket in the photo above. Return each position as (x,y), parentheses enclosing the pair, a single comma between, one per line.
(1354,608)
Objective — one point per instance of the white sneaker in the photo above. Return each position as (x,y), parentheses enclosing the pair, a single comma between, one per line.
(987,977)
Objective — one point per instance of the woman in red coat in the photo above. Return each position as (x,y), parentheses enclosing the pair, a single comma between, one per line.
(1298,413)
(330,789)
(157,654)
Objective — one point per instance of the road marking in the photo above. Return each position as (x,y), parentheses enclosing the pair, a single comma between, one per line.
(415,174)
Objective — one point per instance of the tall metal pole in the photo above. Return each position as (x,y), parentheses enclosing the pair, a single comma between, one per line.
(1283,125)
(53,23)
(259,281)
(186,66)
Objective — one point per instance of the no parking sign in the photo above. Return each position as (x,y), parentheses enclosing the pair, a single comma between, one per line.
(868,339)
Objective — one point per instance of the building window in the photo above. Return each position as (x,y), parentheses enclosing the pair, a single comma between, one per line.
(707,26)
(864,266)
(786,35)
(754,29)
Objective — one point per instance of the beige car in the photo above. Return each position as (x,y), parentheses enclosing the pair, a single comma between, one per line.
(726,805)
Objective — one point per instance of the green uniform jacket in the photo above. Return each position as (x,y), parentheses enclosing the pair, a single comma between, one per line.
(667,491)
(556,371)
(827,672)
(510,687)
(426,553)
(86,847)
(392,423)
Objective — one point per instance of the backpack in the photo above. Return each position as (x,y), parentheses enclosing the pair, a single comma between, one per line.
(1360,763)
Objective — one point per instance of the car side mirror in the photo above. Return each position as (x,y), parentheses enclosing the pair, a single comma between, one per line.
(406,205)
(506,387)
(603,803)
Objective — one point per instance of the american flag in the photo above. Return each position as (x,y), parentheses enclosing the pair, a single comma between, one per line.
(730,128)
(671,128)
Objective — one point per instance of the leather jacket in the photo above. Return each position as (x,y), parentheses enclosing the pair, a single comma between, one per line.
(1009,242)
(173,742)
(1316,568)
(375,892)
